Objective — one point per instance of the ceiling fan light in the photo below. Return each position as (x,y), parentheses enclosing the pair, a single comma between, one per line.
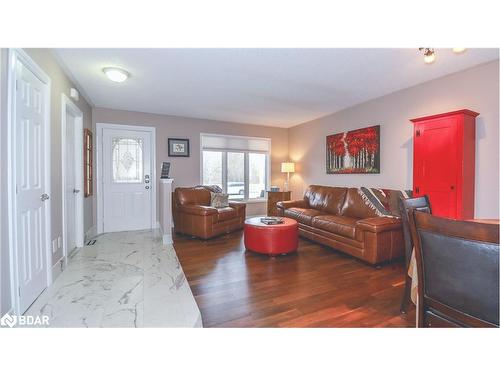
(116,74)
(459,50)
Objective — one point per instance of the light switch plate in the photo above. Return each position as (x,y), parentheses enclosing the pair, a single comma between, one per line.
(59,242)
(54,246)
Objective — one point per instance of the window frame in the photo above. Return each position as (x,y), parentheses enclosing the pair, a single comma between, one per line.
(246,165)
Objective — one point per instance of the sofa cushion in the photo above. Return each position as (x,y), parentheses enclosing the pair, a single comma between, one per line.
(302,215)
(341,225)
(355,206)
(326,198)
(226,213)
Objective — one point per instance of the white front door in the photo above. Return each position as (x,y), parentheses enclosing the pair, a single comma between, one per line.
(70,180)
(127,180)
(32,202)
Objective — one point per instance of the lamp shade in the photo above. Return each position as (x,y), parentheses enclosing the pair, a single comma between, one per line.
(287,167)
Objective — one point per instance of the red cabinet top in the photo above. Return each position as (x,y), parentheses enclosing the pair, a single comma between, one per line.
(459,112)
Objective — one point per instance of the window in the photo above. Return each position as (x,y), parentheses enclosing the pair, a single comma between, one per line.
(238,165)
(127,160)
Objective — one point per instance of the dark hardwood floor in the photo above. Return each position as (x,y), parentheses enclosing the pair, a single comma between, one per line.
(316,287)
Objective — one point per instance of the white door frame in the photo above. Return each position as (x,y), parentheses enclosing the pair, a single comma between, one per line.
(67,106)
(100,164)
(15,55)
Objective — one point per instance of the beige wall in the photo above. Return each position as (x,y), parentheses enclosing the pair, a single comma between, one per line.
(186,171)
(475,89)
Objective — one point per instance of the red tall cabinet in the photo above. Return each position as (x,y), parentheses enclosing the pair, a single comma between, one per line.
(444,162)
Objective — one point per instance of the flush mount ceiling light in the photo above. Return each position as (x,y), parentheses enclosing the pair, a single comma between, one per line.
(459,50)
(429,55)
(116,74)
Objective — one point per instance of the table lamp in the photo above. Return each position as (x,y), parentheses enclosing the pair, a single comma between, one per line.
(287,167)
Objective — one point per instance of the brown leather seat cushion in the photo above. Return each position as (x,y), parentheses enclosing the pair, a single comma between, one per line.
(302,215)
(226,213)
(341,225)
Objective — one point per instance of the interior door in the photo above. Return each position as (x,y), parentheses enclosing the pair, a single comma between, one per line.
(127,180)
(31,198)
(435,165)
(70,178)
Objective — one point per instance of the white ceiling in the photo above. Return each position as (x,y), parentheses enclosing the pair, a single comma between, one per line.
(276,87)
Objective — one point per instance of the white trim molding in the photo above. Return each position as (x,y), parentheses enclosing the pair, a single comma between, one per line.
(67,106)
(15,55)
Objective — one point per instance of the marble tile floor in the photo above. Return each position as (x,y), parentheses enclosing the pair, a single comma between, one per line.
(126,279)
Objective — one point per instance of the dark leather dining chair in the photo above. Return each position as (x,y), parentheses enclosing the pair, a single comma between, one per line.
(457,266)
(420,204)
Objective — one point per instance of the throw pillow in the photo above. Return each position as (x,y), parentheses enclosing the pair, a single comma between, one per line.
(219,200)
(383,201)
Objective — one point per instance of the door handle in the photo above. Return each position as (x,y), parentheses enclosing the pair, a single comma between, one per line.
(76,191)
(44,197)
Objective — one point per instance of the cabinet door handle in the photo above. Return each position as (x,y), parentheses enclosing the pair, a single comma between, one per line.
(452,187)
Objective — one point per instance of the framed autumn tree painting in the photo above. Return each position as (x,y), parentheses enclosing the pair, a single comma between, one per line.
(355,151)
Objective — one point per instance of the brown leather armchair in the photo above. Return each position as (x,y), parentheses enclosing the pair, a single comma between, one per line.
(193,214)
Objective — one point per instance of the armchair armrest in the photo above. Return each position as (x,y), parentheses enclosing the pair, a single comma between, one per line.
(379,224)
(296,203)
(198,210)
(237,205)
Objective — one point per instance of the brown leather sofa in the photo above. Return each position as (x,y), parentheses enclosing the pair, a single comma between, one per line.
(193,214)
(338,217)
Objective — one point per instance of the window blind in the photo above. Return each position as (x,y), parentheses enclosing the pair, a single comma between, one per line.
(227,142)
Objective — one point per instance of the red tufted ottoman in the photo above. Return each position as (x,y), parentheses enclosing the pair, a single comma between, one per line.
(271,239)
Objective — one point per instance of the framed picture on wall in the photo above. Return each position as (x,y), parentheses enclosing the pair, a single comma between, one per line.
(355,151)
(178,147)
(88,163)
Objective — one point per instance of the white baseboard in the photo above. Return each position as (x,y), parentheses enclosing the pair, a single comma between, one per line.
(58,268)
(91,233)
(167,237)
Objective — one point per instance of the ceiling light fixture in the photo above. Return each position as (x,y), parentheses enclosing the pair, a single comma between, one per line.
(116,74)
(429,55)
(459,50)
